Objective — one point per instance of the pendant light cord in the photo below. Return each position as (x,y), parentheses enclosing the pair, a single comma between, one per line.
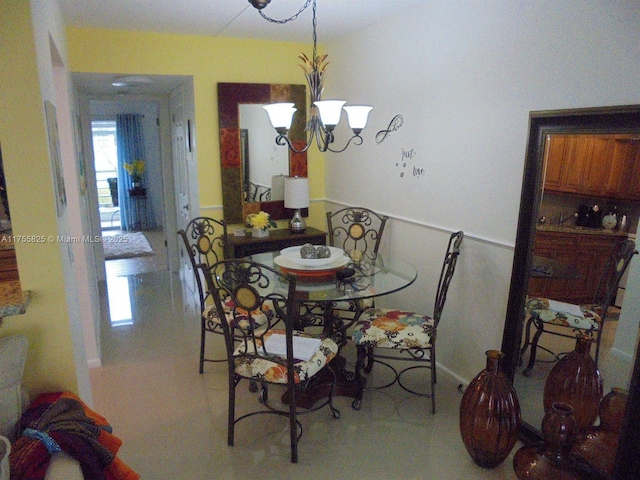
(293,17)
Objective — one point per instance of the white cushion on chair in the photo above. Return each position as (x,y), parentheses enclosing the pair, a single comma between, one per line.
(270,371)
(386,328)
(539,308)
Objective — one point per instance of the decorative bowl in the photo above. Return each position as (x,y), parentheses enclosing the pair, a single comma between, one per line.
(293,254)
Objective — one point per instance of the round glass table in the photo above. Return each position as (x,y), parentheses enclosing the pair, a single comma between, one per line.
(321,293)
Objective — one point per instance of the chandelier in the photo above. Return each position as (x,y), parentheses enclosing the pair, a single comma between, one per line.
(325,114)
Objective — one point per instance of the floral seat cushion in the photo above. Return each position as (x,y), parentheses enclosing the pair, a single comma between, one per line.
(260,317)
(262,368)
(385,328)
(539,309)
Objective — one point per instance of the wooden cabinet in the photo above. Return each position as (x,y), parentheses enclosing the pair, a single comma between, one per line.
(8,265)
(238,247)
(585,253)
(630,181)
(598,165)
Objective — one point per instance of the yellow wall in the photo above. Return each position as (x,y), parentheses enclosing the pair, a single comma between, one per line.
(23,137)
(210,61)
(25,152)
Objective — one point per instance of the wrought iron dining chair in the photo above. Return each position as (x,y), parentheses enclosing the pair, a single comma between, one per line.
(269,352)
(204,241)
(591,322)
(358,231)
(383,334)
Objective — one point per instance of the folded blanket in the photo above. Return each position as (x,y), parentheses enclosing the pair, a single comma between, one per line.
(60,421)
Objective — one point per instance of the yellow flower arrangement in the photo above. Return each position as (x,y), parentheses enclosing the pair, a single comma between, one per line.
(135,169)
(260,220)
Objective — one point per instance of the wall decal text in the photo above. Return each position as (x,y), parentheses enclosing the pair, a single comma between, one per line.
(407,156)
(394,125)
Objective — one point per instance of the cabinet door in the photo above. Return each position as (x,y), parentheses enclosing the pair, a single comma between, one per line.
(597,165)
(591,257)
(617,171)
(575,162)
(560,248)
(631,178)
(557,145)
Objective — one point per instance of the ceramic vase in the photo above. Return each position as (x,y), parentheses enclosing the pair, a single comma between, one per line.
(489,415)
(552,459)
(260,232)
(598,445)
(576,380)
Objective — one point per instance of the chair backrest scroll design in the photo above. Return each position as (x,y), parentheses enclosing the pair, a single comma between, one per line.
(356,228)
(204,240)
(243,290)
(617,263)
(446,274)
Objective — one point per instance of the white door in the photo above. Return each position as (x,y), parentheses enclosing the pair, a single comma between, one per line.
(183,156)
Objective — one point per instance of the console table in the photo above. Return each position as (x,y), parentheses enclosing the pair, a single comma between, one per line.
(238,247)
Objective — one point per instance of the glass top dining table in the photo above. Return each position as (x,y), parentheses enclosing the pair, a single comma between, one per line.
(374,276)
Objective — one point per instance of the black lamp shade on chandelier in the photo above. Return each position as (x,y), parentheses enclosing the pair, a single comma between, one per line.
(325,114)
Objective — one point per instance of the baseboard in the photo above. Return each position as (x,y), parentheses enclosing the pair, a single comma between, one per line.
(622,355)
(462,381)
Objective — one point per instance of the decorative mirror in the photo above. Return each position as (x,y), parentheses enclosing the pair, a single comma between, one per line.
(241,195)
(544,127)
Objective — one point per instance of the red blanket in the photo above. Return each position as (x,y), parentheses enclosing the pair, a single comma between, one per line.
(61,421)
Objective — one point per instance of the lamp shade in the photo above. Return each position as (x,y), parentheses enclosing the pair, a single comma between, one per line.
(280,114)
(296,192)
(330,111)
(358,116)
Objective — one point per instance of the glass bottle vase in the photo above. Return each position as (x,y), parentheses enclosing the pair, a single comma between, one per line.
(489,415)
(576,380)
(598,445)
(552,459)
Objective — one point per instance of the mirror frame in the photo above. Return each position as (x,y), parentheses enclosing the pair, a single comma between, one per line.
(230,95)
(618,119)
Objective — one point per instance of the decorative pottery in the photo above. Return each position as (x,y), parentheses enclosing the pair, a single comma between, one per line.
(612,409)
(552,459)
(260,232)
(599,444)
(489,415)
(575,380)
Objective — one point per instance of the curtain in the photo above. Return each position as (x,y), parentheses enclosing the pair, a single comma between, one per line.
(130,144)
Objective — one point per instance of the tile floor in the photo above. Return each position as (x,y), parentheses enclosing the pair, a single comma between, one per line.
(172,420)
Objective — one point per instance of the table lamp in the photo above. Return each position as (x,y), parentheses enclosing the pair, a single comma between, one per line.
(296,196)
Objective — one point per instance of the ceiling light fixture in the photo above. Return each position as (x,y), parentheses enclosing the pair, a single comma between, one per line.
(325,114)
(131,81)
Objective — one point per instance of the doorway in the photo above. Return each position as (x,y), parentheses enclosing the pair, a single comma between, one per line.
(98,108)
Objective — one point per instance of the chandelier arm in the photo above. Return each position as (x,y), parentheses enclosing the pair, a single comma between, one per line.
(283,140)
(357,140)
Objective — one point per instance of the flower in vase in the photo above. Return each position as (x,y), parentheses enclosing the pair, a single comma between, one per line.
(260,220)
(135,169)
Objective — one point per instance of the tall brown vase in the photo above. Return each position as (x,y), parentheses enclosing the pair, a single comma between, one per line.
(551,460)
(598,445)
(489,415)
(575,380)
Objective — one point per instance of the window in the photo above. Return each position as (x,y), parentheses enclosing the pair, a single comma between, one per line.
(105,152)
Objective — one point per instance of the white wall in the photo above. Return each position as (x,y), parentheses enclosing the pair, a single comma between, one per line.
(465,75)
(265,156)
